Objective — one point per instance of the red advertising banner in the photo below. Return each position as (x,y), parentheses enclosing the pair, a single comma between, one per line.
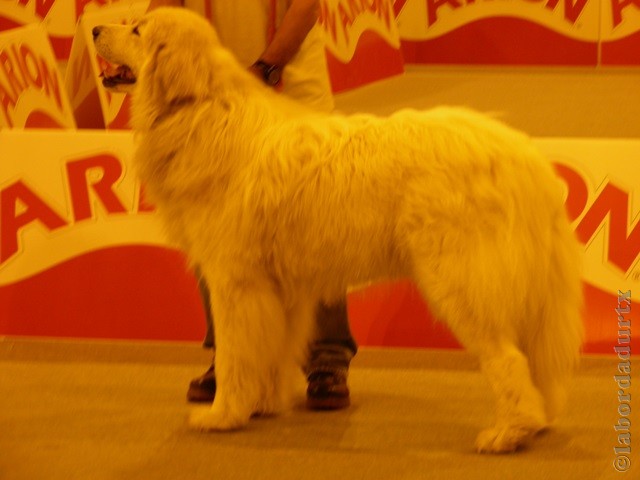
(81,254)
(509,32)
(366,41)
(362,42)
(32,94)
(77,235)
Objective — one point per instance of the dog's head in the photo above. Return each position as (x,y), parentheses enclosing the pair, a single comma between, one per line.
(167,50)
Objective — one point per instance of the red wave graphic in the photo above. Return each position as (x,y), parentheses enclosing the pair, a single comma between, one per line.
(394,315)
(624,51)
(40,119)
(374,59)
(502,41)
(132,292)
(146,293)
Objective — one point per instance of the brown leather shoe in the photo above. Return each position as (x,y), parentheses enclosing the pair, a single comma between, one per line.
(203,388)
(327,389)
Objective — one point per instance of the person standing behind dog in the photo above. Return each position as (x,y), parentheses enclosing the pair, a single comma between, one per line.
(281,43)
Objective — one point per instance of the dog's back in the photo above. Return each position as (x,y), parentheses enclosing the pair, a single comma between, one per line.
(346,195)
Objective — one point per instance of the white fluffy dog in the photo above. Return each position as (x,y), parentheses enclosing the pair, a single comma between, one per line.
(282,208)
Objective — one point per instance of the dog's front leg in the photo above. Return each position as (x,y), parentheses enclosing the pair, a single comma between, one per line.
(250,329)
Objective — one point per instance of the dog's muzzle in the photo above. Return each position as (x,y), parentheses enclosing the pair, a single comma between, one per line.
(114,75)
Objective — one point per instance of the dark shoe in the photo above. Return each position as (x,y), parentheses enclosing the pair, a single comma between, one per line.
(327,389)
(203,388)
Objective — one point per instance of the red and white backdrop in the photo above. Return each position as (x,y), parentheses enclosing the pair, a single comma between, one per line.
(82,254)
(520,32)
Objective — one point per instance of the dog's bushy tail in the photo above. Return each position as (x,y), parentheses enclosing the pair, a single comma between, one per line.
(553,346)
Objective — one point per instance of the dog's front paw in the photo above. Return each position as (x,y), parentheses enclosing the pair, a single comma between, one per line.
(504,439)
(207,419)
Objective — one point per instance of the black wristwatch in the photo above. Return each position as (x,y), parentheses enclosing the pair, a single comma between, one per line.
(271,74)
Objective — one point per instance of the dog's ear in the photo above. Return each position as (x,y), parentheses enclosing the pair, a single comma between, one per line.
(178,73)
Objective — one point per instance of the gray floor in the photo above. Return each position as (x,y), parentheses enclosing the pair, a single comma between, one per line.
(76,410)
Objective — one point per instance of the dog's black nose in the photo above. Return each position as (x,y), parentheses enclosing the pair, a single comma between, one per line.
(95,32)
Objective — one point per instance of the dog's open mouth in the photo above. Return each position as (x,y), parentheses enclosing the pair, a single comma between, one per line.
(115,75)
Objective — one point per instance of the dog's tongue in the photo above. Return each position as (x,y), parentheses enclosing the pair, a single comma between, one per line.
(118,71)
(111,71)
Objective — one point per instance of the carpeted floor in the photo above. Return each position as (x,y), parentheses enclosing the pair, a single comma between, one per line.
(100,410)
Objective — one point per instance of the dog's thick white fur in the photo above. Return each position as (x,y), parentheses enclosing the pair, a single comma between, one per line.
(282,208)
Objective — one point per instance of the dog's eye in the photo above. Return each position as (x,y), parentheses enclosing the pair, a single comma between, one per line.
(136,31)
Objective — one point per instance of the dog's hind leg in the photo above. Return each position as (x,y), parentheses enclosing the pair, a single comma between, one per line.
(520,406)
(251,331)
(483,321)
